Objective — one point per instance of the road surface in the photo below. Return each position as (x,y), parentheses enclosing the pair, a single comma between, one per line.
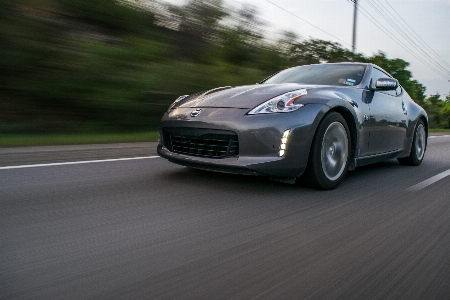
(117,228)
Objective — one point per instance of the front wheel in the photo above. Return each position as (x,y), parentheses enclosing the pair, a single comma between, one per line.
(329,157)
(417,148)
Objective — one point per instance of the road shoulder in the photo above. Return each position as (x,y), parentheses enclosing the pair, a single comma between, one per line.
(52,154)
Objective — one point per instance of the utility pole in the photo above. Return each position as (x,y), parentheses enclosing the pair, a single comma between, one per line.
(354,24)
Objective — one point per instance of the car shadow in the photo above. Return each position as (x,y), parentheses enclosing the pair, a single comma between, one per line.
(376,168)
(194,175)
(363,177)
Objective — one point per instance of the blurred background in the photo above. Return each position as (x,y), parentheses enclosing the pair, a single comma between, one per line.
(114,66)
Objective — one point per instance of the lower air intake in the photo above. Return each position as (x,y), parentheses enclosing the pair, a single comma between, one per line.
(203,142)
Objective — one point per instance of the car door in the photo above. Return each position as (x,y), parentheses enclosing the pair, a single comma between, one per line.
(387,124)
(364,124)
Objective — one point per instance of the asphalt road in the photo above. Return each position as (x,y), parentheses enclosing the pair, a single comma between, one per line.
(148,229)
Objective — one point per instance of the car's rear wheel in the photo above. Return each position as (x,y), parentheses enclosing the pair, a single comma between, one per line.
(417,148)
(329,157)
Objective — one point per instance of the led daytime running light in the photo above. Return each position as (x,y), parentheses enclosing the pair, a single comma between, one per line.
(284,140)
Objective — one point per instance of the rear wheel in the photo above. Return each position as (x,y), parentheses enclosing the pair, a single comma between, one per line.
(329,157)
(417,148)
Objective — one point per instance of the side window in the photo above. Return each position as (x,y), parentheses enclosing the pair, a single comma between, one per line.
(377,74)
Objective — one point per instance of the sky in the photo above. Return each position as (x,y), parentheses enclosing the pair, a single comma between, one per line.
(426,23)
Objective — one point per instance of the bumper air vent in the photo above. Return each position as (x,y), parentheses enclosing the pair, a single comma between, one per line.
(203,142)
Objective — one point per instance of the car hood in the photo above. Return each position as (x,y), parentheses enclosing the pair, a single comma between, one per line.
(247,96)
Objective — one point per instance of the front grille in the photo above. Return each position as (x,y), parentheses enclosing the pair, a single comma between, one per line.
(201,142)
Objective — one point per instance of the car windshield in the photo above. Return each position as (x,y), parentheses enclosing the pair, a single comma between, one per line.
(326,74)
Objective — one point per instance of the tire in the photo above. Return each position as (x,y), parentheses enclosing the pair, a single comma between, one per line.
(329,156)
(418,146)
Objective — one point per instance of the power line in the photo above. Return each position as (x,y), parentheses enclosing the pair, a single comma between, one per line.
(401,44)
(421,40)
(394,25)
(309,23)
(383,29)
(441,71)
(404,35)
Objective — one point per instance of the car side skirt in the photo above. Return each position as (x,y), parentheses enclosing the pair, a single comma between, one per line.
(371,159)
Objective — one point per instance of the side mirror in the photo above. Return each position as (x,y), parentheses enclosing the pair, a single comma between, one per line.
(385,84)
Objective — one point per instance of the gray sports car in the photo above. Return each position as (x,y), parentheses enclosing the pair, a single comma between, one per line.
(314,122)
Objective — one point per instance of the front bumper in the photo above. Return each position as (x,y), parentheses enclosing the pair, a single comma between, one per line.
(259,140)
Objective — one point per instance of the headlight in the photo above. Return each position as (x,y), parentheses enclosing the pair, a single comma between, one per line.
(176,101)
(280,104)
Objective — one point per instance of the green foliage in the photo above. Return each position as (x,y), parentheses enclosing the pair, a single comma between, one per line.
(316,51)
(235,48)
(417,92)
(107,66)
(271,60)
(445,112)
(22,140)
(397,68)
(107,15)
(438,111)
(198,25)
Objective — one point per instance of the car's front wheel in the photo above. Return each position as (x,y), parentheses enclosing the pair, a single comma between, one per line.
(417,148)
(329,157)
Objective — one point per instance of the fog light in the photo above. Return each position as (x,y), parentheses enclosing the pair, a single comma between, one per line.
(284,141)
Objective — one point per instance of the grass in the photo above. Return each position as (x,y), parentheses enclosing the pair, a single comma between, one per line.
(439,130)
(25,140)
(22,140)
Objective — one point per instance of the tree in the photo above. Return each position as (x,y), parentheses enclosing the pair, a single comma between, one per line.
(434,105)
(287,42)
(445,112)
(198,24)
(249,24)
(241,38)
(397,68)
(316,51)
(108,15)
(418,92)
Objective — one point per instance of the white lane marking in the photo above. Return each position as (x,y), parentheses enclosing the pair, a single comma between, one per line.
(437,136)
(429,181)
(75,162)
